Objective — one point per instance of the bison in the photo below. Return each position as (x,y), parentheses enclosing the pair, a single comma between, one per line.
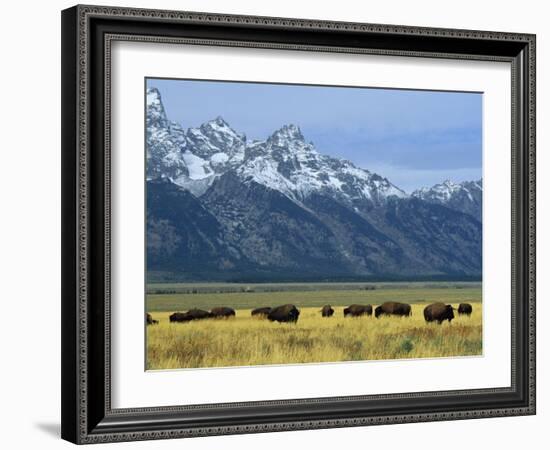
(438,312)
(358,310)
(150,320)
(327,311)
(222,312)
(198,314)
(465,308)
(180,317)
(393,309)
(284,313)
(192,314)
(261,312)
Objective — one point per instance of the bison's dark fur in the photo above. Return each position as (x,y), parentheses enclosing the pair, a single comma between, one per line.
(222,312)
(358,310)
(438,312)
(327,311)
(197,314)
(192,314)
(261,312)
(284,313)
(465,308)
(150,320)
(393,309)
(180,317)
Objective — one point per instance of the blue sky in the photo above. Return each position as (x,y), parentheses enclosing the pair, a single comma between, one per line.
(414,138)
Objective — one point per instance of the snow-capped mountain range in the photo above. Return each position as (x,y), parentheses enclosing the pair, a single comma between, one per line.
(285,162)
(221,206)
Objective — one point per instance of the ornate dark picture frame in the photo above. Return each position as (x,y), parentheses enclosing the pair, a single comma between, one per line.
(87,34)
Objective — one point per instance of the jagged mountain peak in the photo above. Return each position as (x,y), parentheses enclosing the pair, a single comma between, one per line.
(443,190)
(156,115)
(219,125)
(465,196)
(447,188)
(153,96)
(219,120)
(449,183)
(289,132)
(165,140)
(217,144)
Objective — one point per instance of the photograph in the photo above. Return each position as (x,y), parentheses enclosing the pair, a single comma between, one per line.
(296,223)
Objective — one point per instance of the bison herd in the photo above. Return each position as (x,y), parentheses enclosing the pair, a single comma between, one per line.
(436,312)
(198,314)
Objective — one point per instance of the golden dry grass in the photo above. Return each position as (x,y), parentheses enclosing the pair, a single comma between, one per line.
(245,341)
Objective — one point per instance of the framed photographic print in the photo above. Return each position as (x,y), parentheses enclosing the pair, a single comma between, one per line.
(267,222)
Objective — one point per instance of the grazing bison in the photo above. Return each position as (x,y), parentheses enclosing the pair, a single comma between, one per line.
(438,312)
(285,313)
(261,312)
(358,310)
(327,311)
(150,320)
(198,314)
(222,312)
(180,317)
(192,314)
(393,309)
(465,308)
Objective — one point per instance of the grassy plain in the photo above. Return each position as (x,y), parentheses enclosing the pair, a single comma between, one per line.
(178,297)
(243,340)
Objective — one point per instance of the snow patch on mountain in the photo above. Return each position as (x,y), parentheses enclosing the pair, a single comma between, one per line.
(219,158)
(196,166)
